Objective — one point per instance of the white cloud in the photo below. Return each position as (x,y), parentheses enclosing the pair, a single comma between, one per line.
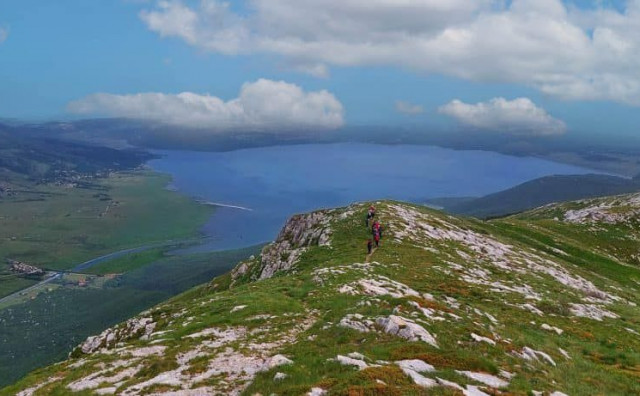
(563,51)
(408,108)
(4,33)
(318,70)
(519,116)
(261,105)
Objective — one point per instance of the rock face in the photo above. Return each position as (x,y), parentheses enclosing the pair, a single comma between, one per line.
(299,233)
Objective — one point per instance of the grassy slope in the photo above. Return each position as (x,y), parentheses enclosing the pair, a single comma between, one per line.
(45,330)
(60,228)
(604,356)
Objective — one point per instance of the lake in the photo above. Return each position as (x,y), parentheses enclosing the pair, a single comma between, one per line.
(276,182)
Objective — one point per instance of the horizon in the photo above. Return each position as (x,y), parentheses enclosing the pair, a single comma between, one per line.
(219,66)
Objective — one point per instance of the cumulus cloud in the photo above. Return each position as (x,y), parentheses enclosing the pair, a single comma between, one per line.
(408,108)
(519,116)
(565,51)
(261,105)
(4,33)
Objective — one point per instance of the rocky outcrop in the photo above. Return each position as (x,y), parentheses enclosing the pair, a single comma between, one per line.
(24,269)
(298,234)
(614,210)
(406,328)
(132,328)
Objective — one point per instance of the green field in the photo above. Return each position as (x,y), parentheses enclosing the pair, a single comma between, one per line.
(10,283)
(57,227)
(127,262)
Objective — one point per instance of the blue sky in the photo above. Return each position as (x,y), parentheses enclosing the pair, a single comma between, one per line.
(53,54)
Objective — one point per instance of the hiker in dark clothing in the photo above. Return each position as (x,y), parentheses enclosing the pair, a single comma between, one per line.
(376,237)
(369,246)
(369,217)
(371,213)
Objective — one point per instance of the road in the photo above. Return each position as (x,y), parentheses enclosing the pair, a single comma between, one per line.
(51,278)
(81,267)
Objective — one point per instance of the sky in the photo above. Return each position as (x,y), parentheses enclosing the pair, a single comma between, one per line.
(513,67)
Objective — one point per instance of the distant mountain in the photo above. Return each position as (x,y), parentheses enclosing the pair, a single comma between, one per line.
(615,154)
(539,192)
(41,158)
(445,202)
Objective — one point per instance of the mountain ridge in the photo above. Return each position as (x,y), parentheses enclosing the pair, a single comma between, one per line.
(446,305)
(539,192)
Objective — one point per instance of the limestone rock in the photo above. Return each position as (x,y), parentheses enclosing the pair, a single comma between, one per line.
(299,232)
(406,328)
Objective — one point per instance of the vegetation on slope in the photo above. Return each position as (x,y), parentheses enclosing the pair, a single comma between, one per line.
(44,159)
(444,306)
(44,330)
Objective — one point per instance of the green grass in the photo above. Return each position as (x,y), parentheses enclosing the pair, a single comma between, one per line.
(70,226)
(127,262)
(11,283)
(64,227)
(578,248)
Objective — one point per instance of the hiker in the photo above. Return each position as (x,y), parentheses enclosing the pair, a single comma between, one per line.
(369,246)
(376,231)
(371,213)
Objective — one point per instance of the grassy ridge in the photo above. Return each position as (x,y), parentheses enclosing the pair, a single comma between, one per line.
(605,356)
(453,266)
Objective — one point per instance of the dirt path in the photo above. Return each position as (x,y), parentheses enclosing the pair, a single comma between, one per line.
(368,258)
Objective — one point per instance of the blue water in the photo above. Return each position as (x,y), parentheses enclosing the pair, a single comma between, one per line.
(276,182)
